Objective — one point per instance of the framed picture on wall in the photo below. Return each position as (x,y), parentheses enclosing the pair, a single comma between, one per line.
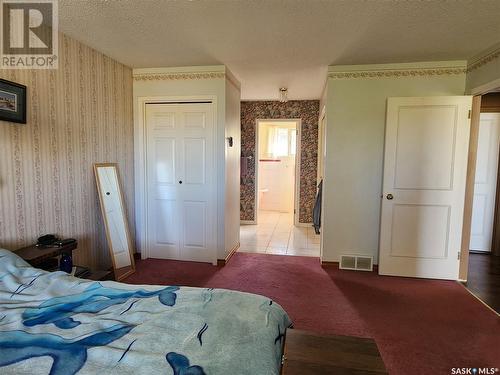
(12,102)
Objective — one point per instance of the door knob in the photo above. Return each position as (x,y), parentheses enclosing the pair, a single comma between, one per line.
(389,197)
(180,182)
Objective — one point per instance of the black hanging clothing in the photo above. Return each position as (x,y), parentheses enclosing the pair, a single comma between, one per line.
(317,209)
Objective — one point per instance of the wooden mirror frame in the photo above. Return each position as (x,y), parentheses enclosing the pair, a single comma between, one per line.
(123,272)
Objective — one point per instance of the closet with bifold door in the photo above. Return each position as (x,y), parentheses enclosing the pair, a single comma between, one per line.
(181,180)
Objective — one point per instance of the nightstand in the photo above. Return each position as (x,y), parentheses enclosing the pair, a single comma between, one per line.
(45,259)
(37,256)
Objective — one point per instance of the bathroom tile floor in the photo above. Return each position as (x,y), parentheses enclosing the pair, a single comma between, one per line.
(276,234)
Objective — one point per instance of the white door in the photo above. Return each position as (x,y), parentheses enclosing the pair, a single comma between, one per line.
(425,165)
(277,178)
(181,182)
(486,182)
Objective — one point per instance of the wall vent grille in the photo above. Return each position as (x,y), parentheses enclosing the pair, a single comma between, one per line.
(356,262)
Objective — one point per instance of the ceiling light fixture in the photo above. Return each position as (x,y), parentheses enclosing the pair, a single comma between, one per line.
(283,94)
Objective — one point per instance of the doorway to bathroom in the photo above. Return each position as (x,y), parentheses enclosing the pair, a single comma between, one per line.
(276,229)
(278,158)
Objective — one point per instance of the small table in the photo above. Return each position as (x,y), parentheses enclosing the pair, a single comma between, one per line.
(36,256)
(310,353)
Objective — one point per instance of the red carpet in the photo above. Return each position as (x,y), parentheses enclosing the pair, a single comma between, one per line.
(420,326)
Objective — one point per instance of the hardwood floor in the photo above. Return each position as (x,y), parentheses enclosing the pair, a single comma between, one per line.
(484,278)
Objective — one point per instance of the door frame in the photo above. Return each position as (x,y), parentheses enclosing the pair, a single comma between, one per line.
(471,177)
(470,181)
(323,126)
(477,91)
(495,235)
(320,173)
(296,191)
(140,164)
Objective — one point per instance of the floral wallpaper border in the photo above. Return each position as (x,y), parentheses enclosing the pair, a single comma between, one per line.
(308,112)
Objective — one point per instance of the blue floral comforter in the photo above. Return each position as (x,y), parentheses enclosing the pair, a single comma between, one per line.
(52,323)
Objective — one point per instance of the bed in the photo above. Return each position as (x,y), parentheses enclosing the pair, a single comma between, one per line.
(53,323)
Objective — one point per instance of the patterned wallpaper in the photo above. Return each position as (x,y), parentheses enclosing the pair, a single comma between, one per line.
(308,112)
(77,115)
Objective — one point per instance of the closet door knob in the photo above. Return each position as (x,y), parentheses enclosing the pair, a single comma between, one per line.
(390,197)
(180,181)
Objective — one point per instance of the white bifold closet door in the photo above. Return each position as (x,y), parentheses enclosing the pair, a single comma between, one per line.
(181,182)
(485,185)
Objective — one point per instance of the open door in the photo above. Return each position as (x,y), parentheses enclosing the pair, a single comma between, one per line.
(485,183)
(425,165)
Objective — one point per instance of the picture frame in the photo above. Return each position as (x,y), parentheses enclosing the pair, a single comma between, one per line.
(12,101)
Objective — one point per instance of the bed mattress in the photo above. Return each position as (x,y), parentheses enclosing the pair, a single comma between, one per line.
(53,323)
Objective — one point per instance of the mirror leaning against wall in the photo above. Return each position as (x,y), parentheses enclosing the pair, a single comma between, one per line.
(115,219)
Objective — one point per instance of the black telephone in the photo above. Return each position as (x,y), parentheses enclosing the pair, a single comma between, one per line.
(46,240)
(51,240)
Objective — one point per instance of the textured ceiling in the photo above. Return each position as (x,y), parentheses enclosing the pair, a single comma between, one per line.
(269,43)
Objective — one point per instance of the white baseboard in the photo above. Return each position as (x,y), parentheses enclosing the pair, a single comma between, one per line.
(304,225)
(253,222)
(247,222)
